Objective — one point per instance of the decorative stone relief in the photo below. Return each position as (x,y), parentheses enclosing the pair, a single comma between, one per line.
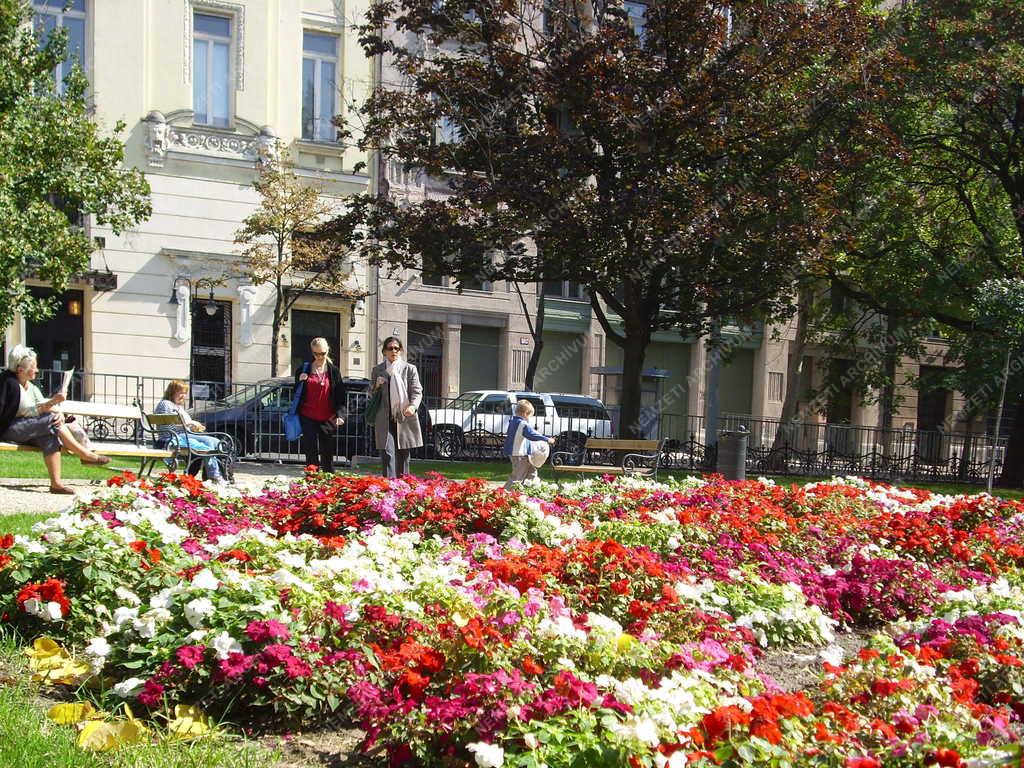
(268,151)
(156,138)
(201,142)
(184,330)
(246,304)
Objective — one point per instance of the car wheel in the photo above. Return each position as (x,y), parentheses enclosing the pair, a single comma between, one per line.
(448,442)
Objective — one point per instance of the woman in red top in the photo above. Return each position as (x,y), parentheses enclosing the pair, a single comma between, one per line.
(321,406)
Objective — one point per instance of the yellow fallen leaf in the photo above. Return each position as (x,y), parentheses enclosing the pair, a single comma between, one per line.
(69,714)
(188,723)
(100,736)
(42,647)
(65,671)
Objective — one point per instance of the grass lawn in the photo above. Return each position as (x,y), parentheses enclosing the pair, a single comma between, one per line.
(29,464)
(21,523)
(496,470)
(28,739)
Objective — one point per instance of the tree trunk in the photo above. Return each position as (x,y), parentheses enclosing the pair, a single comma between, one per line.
(275,329)
(785,435)
(537,331)
(887,402)
(1013,463)
(633,352)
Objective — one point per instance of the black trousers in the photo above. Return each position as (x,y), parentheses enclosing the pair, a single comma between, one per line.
(317,445)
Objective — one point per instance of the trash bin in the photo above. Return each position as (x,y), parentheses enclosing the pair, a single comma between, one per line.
(732,453)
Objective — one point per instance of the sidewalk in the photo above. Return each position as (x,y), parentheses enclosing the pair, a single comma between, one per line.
(32,495)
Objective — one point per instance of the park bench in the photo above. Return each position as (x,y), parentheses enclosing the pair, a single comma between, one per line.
(108,414)
(190,457)
(611,457)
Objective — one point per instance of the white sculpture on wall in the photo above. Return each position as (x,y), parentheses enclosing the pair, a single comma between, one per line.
(156,138)
(246,304)
(267,150)
(184,330)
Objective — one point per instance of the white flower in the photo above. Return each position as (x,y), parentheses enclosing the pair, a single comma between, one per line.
(487,755)
(32,607)
(197,610)
(129,689)
(224,644)
(98,647)
(531,741)
(833,655)
(127,596)
(125,615)
(646,731)
(198,635)
(205,580)
(52,612)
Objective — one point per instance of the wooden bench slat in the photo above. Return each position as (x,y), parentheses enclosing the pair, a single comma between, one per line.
(602,469)
(106,449)
(598,444)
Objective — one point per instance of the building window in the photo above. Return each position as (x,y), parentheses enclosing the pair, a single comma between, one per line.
(637,13)
(775,381)
(319,85)
(49,15)
(564,289)
(211,57)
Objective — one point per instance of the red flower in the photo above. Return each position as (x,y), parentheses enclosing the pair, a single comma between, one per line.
(49,591)
(531,667)
(6,541)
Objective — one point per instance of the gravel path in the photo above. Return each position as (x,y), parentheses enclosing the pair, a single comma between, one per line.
(23,495)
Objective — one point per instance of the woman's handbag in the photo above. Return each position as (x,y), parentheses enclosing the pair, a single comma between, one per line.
(290,420)
(372,406)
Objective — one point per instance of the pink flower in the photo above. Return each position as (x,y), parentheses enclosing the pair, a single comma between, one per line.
(235,665)
(151,694)
(263,631)
(190,656)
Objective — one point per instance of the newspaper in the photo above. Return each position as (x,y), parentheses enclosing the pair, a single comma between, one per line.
(66,381)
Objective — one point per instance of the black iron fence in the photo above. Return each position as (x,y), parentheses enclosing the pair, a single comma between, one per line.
(474,429)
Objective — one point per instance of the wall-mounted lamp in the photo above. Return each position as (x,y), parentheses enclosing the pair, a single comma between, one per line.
(210,306)
(75,307)
(355,346)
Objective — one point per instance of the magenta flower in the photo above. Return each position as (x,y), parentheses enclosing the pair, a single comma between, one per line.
(263,631)
(190,656)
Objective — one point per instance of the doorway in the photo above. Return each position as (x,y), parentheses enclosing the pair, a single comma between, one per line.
(425,350)
(306,326)
(59,339)
(211,349)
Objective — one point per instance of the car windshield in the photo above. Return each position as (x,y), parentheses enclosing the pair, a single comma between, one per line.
(244,394)
(464,402)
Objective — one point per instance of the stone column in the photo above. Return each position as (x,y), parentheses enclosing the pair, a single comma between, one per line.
(695,379)
(450,365)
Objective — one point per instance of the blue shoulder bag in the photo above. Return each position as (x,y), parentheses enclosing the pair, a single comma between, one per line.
(292,424)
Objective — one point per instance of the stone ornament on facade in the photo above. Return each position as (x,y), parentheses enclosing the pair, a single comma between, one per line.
(246,305)
(156,138)
(183,332)
(267,148)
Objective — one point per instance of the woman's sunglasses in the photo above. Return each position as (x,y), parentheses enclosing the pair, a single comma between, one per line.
(392,349)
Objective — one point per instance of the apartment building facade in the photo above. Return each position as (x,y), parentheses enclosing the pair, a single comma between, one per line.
(209,91)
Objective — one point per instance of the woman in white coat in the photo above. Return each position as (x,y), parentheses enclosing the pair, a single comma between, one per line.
(397,429)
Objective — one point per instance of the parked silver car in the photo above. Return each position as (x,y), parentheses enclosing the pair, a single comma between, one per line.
(480,419)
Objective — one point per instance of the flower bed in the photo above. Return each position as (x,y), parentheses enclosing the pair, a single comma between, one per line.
(606,622)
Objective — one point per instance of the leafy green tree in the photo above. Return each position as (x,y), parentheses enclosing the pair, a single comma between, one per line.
(54,166)
(679,168)
(280,245)
(942,214)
